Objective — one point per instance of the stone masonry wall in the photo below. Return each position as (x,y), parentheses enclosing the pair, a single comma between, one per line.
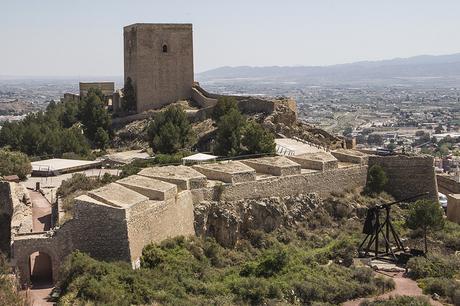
(322,183)
(408,175)
(446,184)
(159,60)
(154,221)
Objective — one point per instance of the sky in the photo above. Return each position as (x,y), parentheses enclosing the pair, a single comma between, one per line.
(85,37)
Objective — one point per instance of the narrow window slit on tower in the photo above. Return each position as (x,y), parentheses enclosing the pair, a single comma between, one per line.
(165,48)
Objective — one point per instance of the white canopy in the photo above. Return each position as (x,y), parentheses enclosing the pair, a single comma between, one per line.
(199,157)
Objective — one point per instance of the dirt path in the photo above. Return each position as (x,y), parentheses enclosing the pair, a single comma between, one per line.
(404,286)
(41,212)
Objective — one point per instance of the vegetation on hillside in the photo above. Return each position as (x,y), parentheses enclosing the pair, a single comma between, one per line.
(427,216)
(77,185)
(438,274)
(237,135)
(14,163)
(398,301)
(376,180)
(64,127)
(170,131)
(194,271)
(8,286)
(129,101)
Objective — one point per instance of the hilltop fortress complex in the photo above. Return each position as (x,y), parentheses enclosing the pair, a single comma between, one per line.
(116,221)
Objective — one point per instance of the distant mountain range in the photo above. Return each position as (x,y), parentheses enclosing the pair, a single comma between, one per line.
(441,70)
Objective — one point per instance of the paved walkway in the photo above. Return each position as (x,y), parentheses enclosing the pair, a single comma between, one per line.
(38,296)
(404,286)
(41,212)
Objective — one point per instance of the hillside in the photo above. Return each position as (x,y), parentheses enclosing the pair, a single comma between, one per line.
(442,70)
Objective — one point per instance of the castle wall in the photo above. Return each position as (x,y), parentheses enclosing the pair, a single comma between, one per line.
(408,175)
(201,100)
(453,208)
(323,183)
(154,221)
(447,185)
(159,78)
(100,230)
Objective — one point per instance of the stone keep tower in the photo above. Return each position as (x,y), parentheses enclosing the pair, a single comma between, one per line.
(159,60)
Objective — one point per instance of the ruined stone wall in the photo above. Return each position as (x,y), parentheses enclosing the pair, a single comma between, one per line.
(100,230)
(202,100)
(408,175)
(323,183)
(159,60)
(446,184)
(154,221)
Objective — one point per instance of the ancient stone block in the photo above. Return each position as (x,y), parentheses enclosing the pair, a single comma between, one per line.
(318,161)
(117,195)
(228,172)
(274,165)
(184,177)
(350,156)
(149,187)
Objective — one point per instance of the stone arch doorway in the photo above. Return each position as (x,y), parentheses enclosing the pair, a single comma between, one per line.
(40,269)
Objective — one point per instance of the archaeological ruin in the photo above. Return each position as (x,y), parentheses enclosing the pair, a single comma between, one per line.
(116,221)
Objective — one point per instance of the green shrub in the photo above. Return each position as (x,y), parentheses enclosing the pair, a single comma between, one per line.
(8,287)
(444,287)
(450,235)
(78,181)
(399,301)
(170,131)
(195,271)
(376,180)
(14,163)
(434,265)
(384,284)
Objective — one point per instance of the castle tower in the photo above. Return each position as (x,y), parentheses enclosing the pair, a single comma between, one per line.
(159,60)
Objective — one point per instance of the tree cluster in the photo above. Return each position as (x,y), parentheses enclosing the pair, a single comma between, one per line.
(170,131)
(236,135)
(64,127)
(376,180)
(14,163)
(129,101)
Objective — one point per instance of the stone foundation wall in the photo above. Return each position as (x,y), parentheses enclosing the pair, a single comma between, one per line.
(100,230)
(321,165)
(322,183)
(408,175)
(446,184)
(201,100)
(154,221)
(350,156)
(273,169)
(453,208)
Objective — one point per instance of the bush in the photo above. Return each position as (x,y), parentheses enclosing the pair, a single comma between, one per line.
(450,235)
(384,284)
(399,301)
(195,271)
(257,140)
(223,107)
(14,163)
(170,131)
(444,287)
(433,266)
(229,131)
(9,295)
(376,180)
(78,181)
